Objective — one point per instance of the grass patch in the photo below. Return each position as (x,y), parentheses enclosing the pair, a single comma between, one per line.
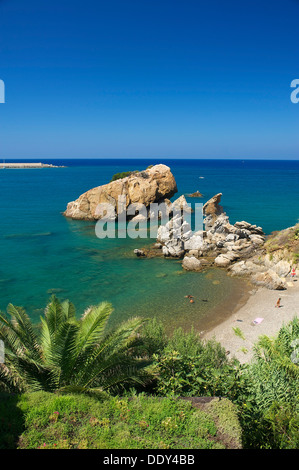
(51,421)
(238,332)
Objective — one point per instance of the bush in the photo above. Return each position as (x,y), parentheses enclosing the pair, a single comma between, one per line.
(270,417)
(189,366)
(123,174)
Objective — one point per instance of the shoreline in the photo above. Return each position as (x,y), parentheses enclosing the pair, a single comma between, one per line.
(260,303)
(223,312)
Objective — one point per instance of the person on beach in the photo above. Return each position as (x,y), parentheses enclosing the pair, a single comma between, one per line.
(293,273)
(278,303)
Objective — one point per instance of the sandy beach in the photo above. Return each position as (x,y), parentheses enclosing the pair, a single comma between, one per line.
(260,304)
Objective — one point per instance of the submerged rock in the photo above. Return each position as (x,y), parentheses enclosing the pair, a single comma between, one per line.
(139,252)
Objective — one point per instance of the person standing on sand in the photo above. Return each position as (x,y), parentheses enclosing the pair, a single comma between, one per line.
(293,273)
(278,303)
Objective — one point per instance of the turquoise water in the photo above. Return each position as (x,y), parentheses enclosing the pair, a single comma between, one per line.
(42,252)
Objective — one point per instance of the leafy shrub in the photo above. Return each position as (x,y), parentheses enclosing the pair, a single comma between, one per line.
(190,367)
(121,175)
(270,418)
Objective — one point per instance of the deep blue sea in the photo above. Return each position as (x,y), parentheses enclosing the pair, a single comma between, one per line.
(42,252)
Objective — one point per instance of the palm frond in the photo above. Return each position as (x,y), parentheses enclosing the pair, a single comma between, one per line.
(54,315)
(93,324)
(68,310)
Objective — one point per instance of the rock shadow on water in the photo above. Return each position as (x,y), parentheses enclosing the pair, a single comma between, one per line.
(56,290)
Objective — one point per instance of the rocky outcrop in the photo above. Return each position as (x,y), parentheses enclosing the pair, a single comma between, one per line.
(221,241)
(212,210)
(269,279)
(269,270)
(196,194)
(152,185)
(240,248)
(181,204)
(272,267)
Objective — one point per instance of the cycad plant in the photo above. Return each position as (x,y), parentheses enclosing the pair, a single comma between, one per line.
(274,372)
(272,418)
(69,354)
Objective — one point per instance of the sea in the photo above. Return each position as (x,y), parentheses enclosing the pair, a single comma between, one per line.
(43,253)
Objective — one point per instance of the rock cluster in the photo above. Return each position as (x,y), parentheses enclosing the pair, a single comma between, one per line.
(264,270)
(240,248)
(221,241)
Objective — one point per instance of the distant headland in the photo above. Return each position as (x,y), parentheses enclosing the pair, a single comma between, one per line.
(28,165)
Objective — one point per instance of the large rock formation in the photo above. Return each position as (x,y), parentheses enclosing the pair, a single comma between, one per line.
(272,266)
(241,248)
(221,241)
(212,210)
(152,185)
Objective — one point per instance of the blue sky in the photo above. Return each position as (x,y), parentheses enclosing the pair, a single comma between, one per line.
(158,78)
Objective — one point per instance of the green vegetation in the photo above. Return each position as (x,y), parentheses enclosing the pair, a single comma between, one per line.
(285,241)
(296,234)
(69,354)
(123,174)
(238,332)
(49,421)
(102,388)
(272,420)
(189,367)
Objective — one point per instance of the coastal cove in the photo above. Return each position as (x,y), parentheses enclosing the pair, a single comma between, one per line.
(44,253)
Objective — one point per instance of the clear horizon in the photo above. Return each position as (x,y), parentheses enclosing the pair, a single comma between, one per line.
(151,158)
(165,80)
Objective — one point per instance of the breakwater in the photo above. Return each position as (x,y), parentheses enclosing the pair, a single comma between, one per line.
(28,165)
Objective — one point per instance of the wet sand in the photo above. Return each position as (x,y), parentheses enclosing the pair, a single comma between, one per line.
(259,304)
(218,315)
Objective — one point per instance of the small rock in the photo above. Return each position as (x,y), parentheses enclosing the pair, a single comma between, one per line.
(232,237)
(174,248)
(196,194)
(222,261)
(157,246)
(190,263)
(194,243)
(139,252)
